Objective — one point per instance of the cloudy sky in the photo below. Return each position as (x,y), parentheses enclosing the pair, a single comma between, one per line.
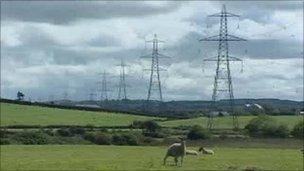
(51,48)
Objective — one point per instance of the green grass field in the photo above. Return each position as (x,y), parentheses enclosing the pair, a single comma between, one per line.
(87,157)
(226,122)
(13,114)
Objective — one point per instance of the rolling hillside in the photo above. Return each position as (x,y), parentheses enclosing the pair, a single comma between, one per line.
(14,114)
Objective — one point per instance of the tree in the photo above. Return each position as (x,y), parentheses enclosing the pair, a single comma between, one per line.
(197,132)
(151,126)
(298,130)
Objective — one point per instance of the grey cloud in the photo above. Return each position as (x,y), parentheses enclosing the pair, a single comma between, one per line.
(62,12)
(190,48)
(258,11)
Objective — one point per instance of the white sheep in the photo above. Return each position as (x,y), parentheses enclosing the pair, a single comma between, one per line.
(206,151)
(176,150)
(191,152)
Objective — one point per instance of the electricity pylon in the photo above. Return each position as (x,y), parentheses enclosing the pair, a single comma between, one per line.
(122,90)
(154,82)
(223,80)
(103,87)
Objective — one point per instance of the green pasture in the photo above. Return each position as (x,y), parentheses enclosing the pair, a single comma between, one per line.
(92,157)
(226,122)
(13,114)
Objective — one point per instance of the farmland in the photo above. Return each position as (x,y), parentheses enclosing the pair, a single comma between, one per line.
(226,122)
(91,157)
(13,114)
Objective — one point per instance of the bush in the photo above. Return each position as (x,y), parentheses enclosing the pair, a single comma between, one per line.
(197,132)
(76,130)
(102,139)
(125,139)
(31,137)
(264,126)
(3,133)
(137,124)
(4,141)
(64,132)
(151,126)
(155,134)
(298,130)
(118,140)
(89,136)
(130,139)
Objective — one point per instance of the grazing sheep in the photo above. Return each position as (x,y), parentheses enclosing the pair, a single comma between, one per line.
(191,152)
(176,150)
(206,151)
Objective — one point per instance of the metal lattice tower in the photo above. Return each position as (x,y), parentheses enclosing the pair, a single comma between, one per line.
(122,90)
(155,83)
(103,87)
(223,81)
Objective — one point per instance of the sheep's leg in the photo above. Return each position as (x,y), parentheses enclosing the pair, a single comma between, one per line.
(182,158)
(176,160)
(165,159)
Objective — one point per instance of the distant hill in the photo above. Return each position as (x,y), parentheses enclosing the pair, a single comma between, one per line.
(181,109)
(195,108)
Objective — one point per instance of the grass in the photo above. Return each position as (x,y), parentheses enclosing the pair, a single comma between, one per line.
(226,122)
(13,114)
(91,157)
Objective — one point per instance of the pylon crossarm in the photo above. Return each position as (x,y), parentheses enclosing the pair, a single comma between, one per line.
(221,14)
(159,69)
(234,38)
(159,41)
(231,58)
(218,38)
(209,38)
(211,59)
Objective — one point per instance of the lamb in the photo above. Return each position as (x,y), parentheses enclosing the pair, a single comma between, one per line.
(206,151)
(176,150)
(191,152)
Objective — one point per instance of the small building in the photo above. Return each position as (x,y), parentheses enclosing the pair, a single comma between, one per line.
(219,113)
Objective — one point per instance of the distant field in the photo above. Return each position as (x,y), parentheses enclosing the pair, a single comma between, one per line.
(13,114)
(87,157)
(226,122)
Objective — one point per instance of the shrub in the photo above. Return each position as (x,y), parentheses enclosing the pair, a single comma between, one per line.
(48,132)
(282,131)
(298,130)
(264,126)
(130,139)
(89,137)
(77,130)
(151,126)
(125,139)
(31,137)
(137,124)
(118,140)
(197,132)
(64,132)
(98,138)
(102,139)
(3,133)
(154,134)
(4,141)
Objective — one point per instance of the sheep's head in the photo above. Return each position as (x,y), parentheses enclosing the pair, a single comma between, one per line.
(202,149)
